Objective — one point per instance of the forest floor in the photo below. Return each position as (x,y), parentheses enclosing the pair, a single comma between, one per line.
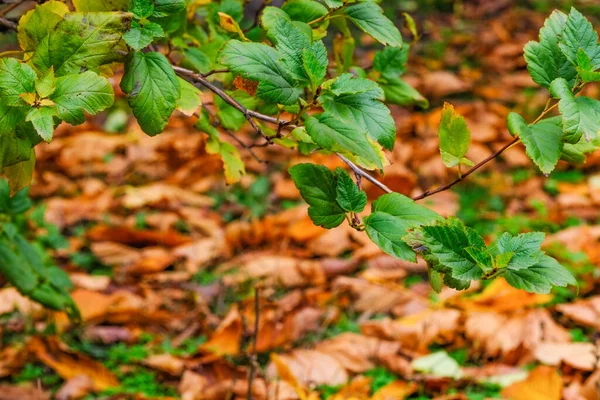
(169,265)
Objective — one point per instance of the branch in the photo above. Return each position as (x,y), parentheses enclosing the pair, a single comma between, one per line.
(253,356)
(250,115)
(360,172)
(428,193)
(8,24)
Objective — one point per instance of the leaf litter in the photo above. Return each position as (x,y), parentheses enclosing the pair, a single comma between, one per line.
(166,262)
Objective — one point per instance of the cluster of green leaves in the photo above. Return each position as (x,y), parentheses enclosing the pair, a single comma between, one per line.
(279,64)
(457,255)
(566,58)
(25,264)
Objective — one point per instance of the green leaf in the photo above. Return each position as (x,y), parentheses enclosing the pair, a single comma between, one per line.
(545,60)
(348,195)
(232,163)
(45,85)
(164,8)
(35,25)
(288,39)
(142,8)
(230,117)
(580,115)
(391,217)
(79,93)
(19,175)
(391,61)
(451,248)
(81,41)
(42,120)
(575,153)
(334,3)
(152,88)
(315,61)
(438,364)
(357,102)
(338,136)
(100,5)
(15,78)
(189,98)
(317,186)
(525,249)
(540,277)
(14,145)
(585,69)
(454,135)
(259,62)
(304,10)
(349,84)
(369,18)
(542,140)
(580,34)
(139,36)
(397,91)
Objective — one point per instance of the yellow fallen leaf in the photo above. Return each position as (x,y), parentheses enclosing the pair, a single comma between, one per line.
(543,383)
(69,364)
(395,390)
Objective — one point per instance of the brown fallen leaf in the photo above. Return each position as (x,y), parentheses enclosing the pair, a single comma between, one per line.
(585,312)
(166,363)
(12,359)
(373,296)
(156,193)
(69,364)
(543,383)
(357,353)
(499,296)
(8,392)
(308,367)
(225,340)
(136,237)
(499,334)
(75,388)
(416,331)
(578,355)
(11,300)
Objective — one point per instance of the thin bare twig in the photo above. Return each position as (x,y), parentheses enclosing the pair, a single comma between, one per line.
(253,357)
(364,174)
(215,122)
(250,115)
(8,24)
(428,193)
(10,7)
(215,71)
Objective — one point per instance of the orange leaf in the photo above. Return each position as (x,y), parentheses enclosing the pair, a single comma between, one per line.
(69,364)
(543,383)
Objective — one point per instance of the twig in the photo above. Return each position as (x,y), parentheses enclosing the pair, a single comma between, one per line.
(217,124)
(10,7)
(253,357)
(365,175)
(215,71)
(428,193)
(8,24)
(250,115)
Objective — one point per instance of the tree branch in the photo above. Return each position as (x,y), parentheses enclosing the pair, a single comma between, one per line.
(360,172)
(428,193)
(250,115)
(8,24)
